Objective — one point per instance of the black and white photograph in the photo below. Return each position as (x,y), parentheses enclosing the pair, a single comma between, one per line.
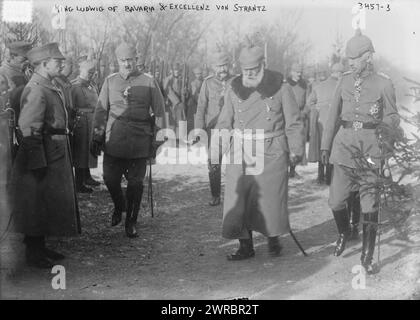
(227,151)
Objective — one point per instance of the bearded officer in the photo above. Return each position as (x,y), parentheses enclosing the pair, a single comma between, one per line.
(85,97)
(362,100)
(42,171)
(258,99)
(210,103)
(123,128)
(194,89)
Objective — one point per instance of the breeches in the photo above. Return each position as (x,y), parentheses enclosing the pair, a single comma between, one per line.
(342,185)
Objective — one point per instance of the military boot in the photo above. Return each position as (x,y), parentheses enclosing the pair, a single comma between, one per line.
(354,211)
(134,196)
(328,172)
(245,251)
(370,227)
(341,218)
(80,182)
(215,184)
(35,253)
(321,178)
(274,246)
(89,180)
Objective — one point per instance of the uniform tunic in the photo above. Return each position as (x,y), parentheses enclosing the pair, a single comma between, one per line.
(259,202)
(84,97)
(123,114)
(210,102)
(47,206)
(319,103)
(195,87)
(369,98)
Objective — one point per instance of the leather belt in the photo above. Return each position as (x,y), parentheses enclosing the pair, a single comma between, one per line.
(128,119)
(357,125)
(256,136)
(54,131)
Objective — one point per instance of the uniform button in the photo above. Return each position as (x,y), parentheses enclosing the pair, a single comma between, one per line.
(271,98)
(357,116)
(240,101)
(239,110)
(268,118)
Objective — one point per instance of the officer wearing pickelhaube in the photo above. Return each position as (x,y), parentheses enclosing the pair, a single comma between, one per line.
(209,105)
(363,99)
(123,127)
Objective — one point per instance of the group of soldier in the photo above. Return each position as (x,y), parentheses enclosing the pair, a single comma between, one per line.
(123,118)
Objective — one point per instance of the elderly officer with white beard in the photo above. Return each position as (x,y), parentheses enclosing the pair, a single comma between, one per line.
(258,99)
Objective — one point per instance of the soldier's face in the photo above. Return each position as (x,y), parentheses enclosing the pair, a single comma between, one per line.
(198,75)
(222,71)
(18,60)
(251,77)
(127,65)
(359,64)
(54,67)
(295,74)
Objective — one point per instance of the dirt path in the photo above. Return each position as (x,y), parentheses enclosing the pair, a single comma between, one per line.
(180,253)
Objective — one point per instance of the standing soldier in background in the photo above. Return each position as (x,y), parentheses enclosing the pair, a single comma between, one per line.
(299,87)
(85,97)
(319,103)
(362,100)
(195,87)
(42,170)
(123,128)
(210,103)
(258,99)
(172,86)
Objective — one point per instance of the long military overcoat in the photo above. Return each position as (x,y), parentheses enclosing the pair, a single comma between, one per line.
(319,103)
(259,202)
(44,206)
(85,97)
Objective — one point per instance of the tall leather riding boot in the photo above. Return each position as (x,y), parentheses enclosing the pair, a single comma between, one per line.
(89,180)
(370,227)
(134,196)
(354,212)
(341,218)
(80,181)
(321,177)
(328,171)
(274,246)
(245,251)
(215,177)
(292,171)
(36,253)
(117,196)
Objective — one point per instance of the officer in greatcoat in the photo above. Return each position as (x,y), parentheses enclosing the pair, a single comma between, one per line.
(194,89)
(123,127)
(258,99)
(299,87)
(362,100)
(85,97)
(42,171)
(210,103)
(319,103)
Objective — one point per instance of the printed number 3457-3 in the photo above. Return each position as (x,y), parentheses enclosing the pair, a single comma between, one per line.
(374,6)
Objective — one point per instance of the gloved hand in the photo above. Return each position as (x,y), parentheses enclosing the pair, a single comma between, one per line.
(196,140)
(325,157)
(39,173)
(295,159)
(95,148)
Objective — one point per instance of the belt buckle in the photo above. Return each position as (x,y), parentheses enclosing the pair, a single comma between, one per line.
(357,125)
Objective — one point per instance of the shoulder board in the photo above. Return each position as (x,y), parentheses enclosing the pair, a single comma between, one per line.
(75,82)
(148,75)
(347,73)
(209,77)
(383,75)
(112,75)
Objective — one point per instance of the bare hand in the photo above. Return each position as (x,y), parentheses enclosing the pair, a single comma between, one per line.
(325,157)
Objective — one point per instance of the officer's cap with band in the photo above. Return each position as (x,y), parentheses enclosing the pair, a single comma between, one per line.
(20,48)
(44,52)
(251,55)
(220,58)
(125,51)
(358,45)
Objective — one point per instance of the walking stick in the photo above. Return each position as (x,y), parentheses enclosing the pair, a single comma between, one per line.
(150,190)
(298,244)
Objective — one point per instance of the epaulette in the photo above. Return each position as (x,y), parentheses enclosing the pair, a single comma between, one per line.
(112,75)
(347,73)
(383,75)
(209,77)
(75,82)
(148,75)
